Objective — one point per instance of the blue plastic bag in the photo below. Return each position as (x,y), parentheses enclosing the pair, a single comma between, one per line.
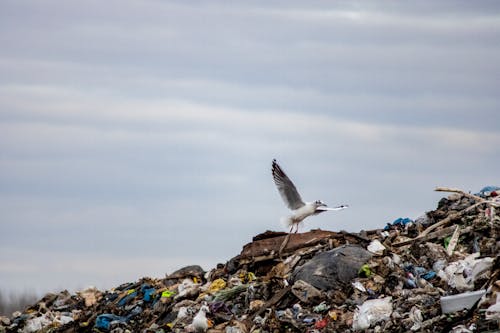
(104,320)
(399,222)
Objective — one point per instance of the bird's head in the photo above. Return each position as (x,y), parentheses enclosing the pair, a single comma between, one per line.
(319,203)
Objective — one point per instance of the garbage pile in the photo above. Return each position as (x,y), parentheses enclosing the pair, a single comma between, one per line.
(437,273)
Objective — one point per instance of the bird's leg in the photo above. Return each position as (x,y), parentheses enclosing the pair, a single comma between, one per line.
(284,243)
(287,238)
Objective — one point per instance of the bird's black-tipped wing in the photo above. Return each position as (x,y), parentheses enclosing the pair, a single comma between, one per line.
(324,208)
(286,188)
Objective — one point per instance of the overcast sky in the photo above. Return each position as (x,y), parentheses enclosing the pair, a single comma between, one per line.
(136,137)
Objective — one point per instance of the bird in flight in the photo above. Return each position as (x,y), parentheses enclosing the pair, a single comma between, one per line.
(291,197)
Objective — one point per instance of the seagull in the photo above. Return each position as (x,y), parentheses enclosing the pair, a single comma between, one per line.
(200,321)
(291,197)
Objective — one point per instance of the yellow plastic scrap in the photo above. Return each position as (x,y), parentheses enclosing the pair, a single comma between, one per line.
(195,279)
(246,277)
(217,285)
(170,325)
(332,314)
(251,277)
(167,294)
(365,271)
(130,291)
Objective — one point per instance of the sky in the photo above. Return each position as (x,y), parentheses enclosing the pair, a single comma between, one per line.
(136,137)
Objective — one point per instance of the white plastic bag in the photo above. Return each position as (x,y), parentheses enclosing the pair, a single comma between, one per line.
(371,312)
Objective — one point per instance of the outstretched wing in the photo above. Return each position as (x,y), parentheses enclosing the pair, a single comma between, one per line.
(286,188)
(324,208)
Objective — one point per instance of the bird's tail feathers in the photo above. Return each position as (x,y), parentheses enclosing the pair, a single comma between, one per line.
(289,224)
(286,221)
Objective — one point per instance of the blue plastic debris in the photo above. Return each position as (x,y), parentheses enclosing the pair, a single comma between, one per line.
(135,311)
(429,275)
(488,190)
(104,320)
(420,272)
(127,298)
(399,222)
(148,292)
(410,283)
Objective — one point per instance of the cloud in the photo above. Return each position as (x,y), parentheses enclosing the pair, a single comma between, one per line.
(126,127)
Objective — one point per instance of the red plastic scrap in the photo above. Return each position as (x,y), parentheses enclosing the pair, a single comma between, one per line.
(322,323)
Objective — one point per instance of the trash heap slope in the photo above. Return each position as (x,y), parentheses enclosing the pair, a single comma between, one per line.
(438,273)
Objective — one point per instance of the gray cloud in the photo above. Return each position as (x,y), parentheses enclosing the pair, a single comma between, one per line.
(136,137)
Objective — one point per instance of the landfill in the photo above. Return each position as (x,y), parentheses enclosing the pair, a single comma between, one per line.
(439,272)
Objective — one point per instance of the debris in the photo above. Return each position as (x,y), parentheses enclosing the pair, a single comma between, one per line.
(372,311)
(417,318)
(462,274)
(453,241)
(91,296)
(493,312)
(376,247)
(216,285)
(321,307)
(400,278)
(461,301)
(365,271)
(36,324)
(332,269)
(305,292)
(399,223)
(104,321)
(489,191)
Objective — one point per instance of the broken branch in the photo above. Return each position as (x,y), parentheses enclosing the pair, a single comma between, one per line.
(456,190)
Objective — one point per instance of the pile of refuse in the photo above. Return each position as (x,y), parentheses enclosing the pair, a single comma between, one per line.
(437,273)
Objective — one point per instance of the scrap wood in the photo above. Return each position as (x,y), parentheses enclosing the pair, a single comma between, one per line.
(315,240)
(456,190)
(270,247)
(453,241)
(356,236)
(269,234)
(274,255)
(284,244)
(451,217)
(432,322)
(437,234)
(274,300)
